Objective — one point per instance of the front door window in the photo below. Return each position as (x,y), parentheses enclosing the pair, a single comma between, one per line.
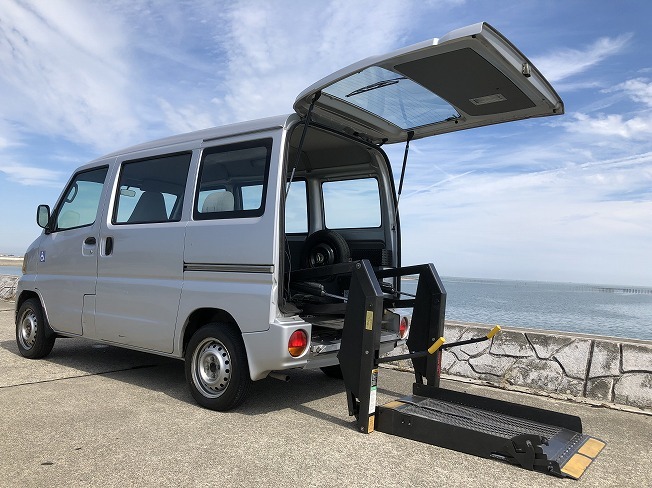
(81,201)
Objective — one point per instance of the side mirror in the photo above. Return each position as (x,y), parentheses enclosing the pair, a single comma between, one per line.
(43,216)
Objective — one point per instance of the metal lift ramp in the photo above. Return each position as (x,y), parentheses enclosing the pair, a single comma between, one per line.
(533,438)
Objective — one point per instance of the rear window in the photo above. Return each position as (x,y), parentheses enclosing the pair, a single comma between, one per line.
(393,97)
(151,190)
(351,203)
(233,180)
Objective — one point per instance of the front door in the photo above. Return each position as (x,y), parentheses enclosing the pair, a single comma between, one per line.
(67,268)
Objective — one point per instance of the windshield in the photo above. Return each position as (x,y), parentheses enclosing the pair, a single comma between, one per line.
(398,100)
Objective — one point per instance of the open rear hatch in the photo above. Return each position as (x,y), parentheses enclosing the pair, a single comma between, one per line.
(469,78)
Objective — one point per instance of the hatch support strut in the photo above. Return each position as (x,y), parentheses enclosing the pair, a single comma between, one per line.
(410,135)
(306,123)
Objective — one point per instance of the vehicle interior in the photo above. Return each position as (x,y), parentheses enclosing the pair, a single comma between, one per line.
(339,208)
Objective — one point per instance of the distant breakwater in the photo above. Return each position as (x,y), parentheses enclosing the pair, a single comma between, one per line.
(629,291)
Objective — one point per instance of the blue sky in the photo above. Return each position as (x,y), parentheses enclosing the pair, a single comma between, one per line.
(558,199)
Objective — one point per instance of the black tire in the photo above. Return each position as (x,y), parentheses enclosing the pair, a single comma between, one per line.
(216,367)
(324,247)
(333,371)
(34,337)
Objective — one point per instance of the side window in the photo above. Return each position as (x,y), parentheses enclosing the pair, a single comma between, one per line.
(82,199)
(351,203)
(233,180)
(296,209)
(251,196)
(151,190)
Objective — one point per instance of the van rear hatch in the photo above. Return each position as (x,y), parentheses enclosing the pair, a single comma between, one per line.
(468,78)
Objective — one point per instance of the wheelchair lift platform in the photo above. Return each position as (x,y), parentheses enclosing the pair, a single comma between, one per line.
(529,437)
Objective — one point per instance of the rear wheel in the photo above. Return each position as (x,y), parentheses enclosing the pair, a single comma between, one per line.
(34,337)
(216,366)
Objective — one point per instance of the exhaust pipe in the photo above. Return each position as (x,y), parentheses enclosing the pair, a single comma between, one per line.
(279,376)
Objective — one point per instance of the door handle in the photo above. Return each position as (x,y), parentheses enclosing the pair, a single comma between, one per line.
(108,246)
(90,241)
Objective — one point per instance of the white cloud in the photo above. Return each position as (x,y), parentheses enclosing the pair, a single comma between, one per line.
(275,50)
(611,125)
(32,176)
(64,73)
(565,63)
(587,219)
(185,119)
(638,89)
(95,73)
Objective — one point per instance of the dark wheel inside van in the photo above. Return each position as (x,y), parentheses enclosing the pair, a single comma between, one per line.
(34,337)
(324,247)
(216,367)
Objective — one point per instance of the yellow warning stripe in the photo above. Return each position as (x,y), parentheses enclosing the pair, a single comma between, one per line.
(591,447)
(393,404)
(576,466)
(371,425)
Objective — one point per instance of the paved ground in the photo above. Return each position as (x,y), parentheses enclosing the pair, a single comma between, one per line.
(91,415)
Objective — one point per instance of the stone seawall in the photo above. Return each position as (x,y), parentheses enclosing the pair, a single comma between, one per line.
(8,287)
(603,369)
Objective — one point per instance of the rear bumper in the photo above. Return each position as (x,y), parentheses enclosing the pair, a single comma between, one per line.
(268,350)
(324,353)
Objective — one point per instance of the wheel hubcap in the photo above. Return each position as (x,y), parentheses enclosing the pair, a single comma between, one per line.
(321,255)
(28,328)
(211,368)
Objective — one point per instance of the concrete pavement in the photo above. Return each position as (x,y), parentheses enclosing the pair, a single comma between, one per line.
(95,415)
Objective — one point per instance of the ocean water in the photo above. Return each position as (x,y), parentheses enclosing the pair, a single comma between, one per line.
(590,309)
(11,270)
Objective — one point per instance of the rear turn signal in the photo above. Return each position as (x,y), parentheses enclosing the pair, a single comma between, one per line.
(298,343)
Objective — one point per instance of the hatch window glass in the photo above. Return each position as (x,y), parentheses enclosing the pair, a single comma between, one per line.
(393,97)
(82,199)
(296,208)
(151,190)
(233,180)
(351,203)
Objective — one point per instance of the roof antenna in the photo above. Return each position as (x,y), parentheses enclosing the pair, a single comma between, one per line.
(410,135)
(306,123)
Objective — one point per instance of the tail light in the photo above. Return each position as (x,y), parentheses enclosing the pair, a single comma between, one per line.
(298,343)
(404,328)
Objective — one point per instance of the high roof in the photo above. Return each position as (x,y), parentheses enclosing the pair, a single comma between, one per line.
(213,133)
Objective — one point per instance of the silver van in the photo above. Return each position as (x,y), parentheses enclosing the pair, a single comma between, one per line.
(224,247)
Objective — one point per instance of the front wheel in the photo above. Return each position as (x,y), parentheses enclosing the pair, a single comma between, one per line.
(216,367)
(33,335)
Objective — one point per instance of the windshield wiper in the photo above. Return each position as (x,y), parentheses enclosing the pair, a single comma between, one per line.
(374,86)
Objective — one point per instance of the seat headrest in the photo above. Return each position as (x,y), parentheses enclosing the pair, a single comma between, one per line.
(219,201)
